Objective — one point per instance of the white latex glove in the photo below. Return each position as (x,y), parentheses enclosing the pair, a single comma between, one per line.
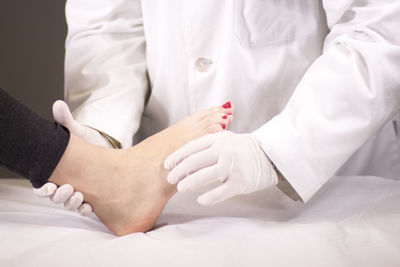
(65,194)
(62,115)
(236,161)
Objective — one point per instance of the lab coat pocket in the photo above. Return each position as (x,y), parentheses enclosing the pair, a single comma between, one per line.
(269,22)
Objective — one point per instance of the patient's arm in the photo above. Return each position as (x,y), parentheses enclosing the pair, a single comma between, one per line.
(127,188)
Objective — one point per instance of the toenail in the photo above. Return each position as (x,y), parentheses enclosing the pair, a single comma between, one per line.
(229,113)
(224,117)
(223,126)
(227,105)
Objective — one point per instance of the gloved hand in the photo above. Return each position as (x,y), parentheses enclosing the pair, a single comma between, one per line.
(237,161)
(65,194)
(62,115)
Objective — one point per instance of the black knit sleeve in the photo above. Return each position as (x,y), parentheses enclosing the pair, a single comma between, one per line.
(29,144)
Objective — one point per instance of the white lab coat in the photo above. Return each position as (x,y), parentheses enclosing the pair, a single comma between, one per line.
(312,80)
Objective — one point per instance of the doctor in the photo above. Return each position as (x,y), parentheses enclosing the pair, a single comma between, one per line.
(315,83)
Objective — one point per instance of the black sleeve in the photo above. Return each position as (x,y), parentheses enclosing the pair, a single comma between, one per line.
(29,144)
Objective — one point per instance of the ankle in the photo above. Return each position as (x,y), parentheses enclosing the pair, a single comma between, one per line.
(78,165)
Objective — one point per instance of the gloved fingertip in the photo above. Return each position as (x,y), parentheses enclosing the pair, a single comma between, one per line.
(60,105)
(58,111)
(46,190)
(62,193)
(85,209)
(61,113)
(181,188)
(74,202)
(171,179)
(67,188)
(202,200)
(168,164)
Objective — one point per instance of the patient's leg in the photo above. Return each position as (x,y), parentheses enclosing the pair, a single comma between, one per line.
(128,188)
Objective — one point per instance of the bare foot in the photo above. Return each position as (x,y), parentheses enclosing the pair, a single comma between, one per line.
(128,188)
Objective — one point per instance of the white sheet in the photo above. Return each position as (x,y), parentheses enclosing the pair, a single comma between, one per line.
(353,221)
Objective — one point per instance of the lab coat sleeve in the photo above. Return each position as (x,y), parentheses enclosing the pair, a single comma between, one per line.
(105,68)
(344,98)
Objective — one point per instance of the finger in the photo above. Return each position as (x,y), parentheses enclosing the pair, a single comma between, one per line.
(74,202)
(62,114)
(85,209)
(205,176)
(199,179)
(191,164)
(62,194)
(46,190)
(218,194)
(188,149)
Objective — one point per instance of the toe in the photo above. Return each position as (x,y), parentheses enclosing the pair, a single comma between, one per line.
(216,122)
(214,128)
(227,109)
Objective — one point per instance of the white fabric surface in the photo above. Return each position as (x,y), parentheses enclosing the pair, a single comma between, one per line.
(352,221)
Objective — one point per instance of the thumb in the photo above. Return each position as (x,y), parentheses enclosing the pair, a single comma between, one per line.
(62,114)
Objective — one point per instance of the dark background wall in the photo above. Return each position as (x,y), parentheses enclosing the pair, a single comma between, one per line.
(32,37)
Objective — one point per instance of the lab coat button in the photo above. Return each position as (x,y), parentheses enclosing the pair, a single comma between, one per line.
(203,64)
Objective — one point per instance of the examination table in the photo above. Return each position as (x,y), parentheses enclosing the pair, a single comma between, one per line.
(352,221)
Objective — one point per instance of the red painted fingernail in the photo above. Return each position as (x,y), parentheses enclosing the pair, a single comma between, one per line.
(223,126)
(224,117)
(227,105)
(229,113)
